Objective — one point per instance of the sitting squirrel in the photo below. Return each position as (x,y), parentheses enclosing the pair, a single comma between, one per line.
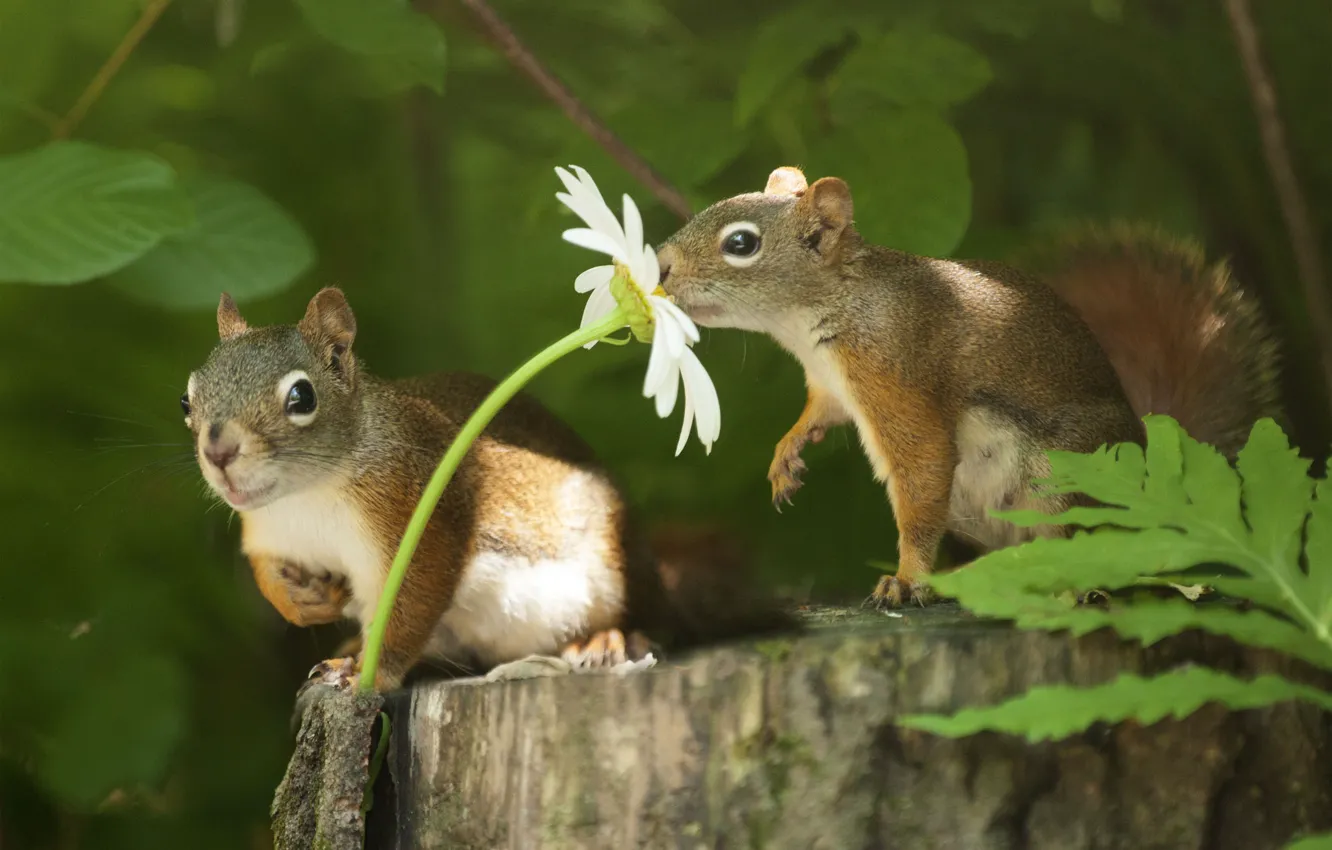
(531,549)
(959,375)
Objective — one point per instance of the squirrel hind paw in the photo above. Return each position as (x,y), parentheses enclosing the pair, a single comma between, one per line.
(338,673)
(606,649)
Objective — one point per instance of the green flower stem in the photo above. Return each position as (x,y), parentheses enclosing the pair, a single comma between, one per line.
(472,429)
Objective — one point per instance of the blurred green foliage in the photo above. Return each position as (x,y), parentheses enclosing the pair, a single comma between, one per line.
(271,148)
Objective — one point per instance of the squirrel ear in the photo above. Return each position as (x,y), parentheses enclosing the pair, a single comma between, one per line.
(786,180)
(329,322)
(229,320)
(828,202)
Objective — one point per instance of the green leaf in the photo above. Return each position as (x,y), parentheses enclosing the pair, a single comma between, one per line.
(1185,500)
(1318,553)
(909,179)
(1312,842)
(783,44)
(401,43)
(907,67)
(1153,489)
(1106,559)
(122,734)
(1025,591)
(72,211)
(1278,490)
(1057,711)
(242,243)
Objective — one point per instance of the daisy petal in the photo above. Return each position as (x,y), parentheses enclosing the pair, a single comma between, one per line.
(688,421)
(595,240)
(585,200)
(667,328)
(593,278)
(675,316)
(598,306)
(605,219)
(648,269)
(659,368)
(633,228)
(570,182)
(699,387)
(668,391)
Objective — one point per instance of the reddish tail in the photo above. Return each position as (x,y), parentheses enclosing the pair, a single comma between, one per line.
(1185,339)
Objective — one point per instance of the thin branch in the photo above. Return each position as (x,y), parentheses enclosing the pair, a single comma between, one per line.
(31,111)
(1303,240)
(521,57)
(151,12)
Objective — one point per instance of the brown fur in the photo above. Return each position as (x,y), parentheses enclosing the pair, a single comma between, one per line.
(382,440)
(300,596)
(958,375)
(1184,339)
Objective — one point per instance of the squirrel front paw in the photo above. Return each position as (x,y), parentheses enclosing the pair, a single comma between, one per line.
(784,473)
(894,592)
(317,597)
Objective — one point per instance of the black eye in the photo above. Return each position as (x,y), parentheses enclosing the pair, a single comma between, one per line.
(300,398)
(185,403)
(741,243)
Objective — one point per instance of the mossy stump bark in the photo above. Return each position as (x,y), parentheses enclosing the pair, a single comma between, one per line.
(790,743)
(319,802)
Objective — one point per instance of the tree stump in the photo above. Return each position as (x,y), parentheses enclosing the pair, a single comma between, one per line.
(790,743)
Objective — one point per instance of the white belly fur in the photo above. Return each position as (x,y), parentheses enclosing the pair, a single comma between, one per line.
(320,530)
(994,472)
(509,606)
(506,606)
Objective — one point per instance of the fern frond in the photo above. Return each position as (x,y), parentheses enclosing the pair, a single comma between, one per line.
(1177,505)
(1055,712)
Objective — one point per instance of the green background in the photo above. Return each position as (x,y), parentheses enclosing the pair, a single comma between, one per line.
(276,147)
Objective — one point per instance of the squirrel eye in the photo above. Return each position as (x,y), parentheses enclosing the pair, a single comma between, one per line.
(185,403)
(300,399)
(741,243)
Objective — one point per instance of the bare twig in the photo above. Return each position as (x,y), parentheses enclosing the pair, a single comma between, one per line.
(522,58)
(36,113)
(1303,241)
(151,12)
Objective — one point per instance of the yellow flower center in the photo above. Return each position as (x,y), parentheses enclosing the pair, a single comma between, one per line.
(633,301)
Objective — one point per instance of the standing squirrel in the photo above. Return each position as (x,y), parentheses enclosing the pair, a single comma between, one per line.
(531,549)
(959,375)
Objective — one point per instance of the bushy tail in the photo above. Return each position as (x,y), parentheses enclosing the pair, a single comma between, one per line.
(1185,339)
(709,587)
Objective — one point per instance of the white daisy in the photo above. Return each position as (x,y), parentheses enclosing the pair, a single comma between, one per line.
(632,282)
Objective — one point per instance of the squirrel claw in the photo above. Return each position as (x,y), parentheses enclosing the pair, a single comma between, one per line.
(339,673)
(785,481)
(606,649)
(892,592)
(784,473)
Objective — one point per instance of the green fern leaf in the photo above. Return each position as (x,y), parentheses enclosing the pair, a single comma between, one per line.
(1176,505)
(1055,712)
(1318,552)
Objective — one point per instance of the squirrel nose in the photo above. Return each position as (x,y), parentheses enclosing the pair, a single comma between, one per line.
(220,453)
(665,259)
(221,456)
